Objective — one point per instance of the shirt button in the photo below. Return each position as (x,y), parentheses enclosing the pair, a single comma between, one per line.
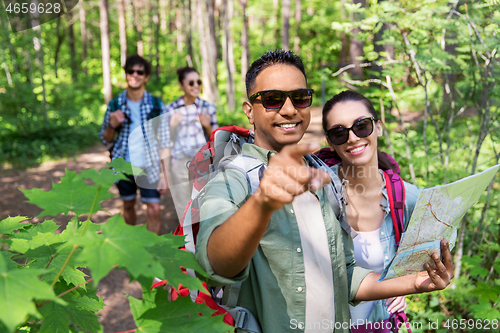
(291,211)
(301,326)
(386,257)
(299,250)
(299,289)
(382,233)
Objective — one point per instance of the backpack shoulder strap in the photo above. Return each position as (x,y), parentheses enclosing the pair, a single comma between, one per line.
(334,192)
(114,105)
(396,195)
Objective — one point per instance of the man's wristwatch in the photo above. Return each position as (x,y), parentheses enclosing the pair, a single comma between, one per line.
(112,127)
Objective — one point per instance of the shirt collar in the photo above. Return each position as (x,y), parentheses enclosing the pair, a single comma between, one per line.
(180,101)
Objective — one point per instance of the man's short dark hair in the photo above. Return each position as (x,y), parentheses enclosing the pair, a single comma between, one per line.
(137,60)
(271,58)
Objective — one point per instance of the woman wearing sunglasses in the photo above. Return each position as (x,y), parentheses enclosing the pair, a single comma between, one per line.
(190,121)
(352,128)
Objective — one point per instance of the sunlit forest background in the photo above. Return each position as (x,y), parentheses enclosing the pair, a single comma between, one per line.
(434,62)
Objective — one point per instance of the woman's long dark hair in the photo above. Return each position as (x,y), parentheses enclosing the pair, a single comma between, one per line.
(384,162)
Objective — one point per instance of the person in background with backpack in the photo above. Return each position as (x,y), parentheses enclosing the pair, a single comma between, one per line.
(130,111)
(378,208)
(282,246)
(189,124)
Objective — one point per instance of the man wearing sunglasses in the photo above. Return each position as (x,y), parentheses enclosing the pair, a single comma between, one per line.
(282,245)
(126,125)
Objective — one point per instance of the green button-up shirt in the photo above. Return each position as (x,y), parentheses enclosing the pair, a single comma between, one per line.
(273,283)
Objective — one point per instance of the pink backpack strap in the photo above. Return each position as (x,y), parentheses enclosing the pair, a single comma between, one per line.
(396,194)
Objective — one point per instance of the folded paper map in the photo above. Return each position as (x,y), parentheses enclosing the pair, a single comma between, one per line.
(437,215)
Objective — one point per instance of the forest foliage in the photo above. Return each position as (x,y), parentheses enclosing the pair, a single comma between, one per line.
(433,60)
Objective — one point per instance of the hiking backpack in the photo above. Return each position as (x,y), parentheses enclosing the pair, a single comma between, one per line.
(223,151)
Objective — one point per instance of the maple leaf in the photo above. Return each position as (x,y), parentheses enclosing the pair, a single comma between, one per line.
(33,237)
(80,309)
(122,244)
(12,223)
(155,313)
(10,264)
(171,258)
(52,259)
(119,165)
(71,194)
(105,177)
(18,288)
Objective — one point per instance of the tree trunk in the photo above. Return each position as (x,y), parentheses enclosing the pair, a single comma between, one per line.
(156,26)
(245,52)
(190,27)
(138,24)
(163,15)
(122,28)
(285,42)
(151,10)
(72,51)
(40,54)
(343,50)
(9,42)
(83,31)
(106,71)
(6,67)
(298,20)
(178,26)
(209,76)
(277,11)
(60,39)
(356,48)
(228,56)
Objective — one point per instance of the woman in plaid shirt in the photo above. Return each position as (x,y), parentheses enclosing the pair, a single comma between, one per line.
(190,121)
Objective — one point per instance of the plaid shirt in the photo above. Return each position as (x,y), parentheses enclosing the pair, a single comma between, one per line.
(156,140)
(190,136)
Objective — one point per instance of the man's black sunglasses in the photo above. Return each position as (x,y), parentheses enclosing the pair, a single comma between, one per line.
(132,71)
(191,83)
(339,135)
(275,99)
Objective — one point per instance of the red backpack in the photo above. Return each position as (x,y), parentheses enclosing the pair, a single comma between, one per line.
(222,151)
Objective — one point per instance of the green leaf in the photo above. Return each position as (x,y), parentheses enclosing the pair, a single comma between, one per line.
(119,164)
(33,237)
(484,310)
(171,258)
(105,177)
(72,194)
(80,308)
(486,292)
(496,265)
(155,313)
(473,264)
(10,264)
(18,288)
(12,223)
(53,258)
(119,244)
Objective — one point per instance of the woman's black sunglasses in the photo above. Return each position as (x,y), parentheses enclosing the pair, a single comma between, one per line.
(191,83)
(275,99)
(339,135)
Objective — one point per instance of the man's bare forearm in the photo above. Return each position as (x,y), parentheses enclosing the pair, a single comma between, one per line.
(233,244)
